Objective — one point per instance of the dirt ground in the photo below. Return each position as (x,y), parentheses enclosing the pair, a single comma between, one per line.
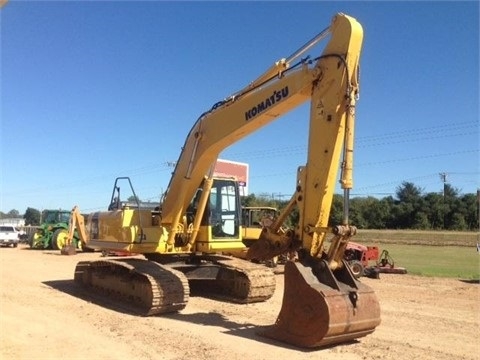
(42,316)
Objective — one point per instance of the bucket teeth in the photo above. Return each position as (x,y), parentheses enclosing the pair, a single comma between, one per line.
(314,314)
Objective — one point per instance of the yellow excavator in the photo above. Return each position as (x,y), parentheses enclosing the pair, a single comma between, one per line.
(198,220)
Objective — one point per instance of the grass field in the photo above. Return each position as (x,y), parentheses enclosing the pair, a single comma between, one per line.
(443,261)
(415,237)
(429,253)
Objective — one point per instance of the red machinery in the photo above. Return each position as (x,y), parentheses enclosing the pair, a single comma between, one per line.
(360,257)
(386,264)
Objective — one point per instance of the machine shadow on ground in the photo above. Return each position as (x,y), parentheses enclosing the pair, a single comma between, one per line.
(245,330)
(470,281)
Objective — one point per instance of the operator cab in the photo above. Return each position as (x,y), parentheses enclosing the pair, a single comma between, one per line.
(222,211)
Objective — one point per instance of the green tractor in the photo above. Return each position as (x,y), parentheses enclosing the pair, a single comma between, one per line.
(53,231)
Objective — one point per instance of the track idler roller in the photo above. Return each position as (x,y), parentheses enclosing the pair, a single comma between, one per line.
(315,314)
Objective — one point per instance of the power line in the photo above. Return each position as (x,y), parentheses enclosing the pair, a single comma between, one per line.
(146,169)
(429,156)
(410,135)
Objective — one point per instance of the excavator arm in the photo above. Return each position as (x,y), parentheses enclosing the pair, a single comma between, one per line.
(329,81)
(332,117)
(323,302)
(76,222)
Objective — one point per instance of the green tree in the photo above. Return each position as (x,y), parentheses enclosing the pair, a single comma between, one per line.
(402,214)
(249,200)
(410,209)
(32,217)
(458,222)
(468,206)
(356,214)
(450,197)
(435,210)
(408,192)
(13,214)
(409,203)
(420,221)
(388,203)
(133,199)
(336,211)
(261,200)
(375,213)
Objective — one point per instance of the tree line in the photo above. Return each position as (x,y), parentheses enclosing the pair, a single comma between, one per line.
(32,216)
(410,208)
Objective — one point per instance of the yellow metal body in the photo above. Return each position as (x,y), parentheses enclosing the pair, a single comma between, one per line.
(345,308)
(333,88)
(254,219)
(120,230)
(330,82)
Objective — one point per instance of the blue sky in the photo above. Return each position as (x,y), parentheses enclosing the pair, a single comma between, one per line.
(95,90)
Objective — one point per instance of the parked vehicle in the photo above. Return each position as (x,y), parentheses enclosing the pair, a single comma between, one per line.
(9,235)
(53,231)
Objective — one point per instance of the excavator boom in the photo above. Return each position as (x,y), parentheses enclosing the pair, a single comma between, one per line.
(186,237)
(323,302)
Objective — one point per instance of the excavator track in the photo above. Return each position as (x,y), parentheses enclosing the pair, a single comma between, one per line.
(224,277)
(145,287)
(243,281)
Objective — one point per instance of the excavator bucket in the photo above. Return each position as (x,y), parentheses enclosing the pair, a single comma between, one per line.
(68,250)
(323,307)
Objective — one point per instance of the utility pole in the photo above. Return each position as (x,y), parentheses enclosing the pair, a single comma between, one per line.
(443,177)
(478,203)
